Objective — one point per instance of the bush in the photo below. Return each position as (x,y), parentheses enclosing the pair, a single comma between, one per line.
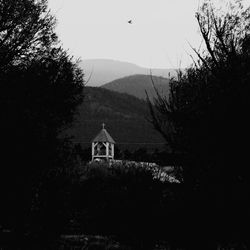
(122,201)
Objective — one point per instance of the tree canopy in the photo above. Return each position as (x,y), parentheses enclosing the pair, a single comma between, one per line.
(205,114)
(205,118)
(26,31)
(40,88)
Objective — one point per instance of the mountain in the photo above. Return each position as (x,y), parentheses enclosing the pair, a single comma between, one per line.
(101,71)
(125,117)
(137,85)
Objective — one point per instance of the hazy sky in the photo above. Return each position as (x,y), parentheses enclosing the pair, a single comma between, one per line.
(158,36)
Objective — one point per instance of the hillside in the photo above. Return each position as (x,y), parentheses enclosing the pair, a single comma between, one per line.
(137,85)
(124,116)
(105,70)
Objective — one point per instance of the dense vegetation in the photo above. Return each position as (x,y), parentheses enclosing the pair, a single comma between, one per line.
(205,120)
(40,87)
(124,203)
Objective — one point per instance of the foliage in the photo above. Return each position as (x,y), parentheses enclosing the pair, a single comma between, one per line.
(205,118)
(40,88)
(205,115)
(26,31)
(122,201)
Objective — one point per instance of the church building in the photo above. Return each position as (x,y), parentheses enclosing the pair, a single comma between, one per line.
(103,146)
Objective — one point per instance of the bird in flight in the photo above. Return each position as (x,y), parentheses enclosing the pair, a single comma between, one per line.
(130,21)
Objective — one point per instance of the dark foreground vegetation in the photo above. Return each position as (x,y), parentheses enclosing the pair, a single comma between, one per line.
(205,119)
(48,194)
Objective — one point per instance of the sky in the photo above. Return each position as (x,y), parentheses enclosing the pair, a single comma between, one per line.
(158,36)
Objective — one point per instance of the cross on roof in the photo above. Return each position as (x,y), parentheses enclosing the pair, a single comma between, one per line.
(103,136)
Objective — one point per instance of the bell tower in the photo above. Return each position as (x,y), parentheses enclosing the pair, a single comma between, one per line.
(103,145)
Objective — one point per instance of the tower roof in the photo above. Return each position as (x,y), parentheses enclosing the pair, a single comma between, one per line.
(103,136)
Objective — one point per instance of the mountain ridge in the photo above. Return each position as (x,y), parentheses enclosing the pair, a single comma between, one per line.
(140,85)
(125,116)
(101,71)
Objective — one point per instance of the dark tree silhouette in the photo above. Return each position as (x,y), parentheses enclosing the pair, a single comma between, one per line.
(205,119)
(40,88)
(26,31)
